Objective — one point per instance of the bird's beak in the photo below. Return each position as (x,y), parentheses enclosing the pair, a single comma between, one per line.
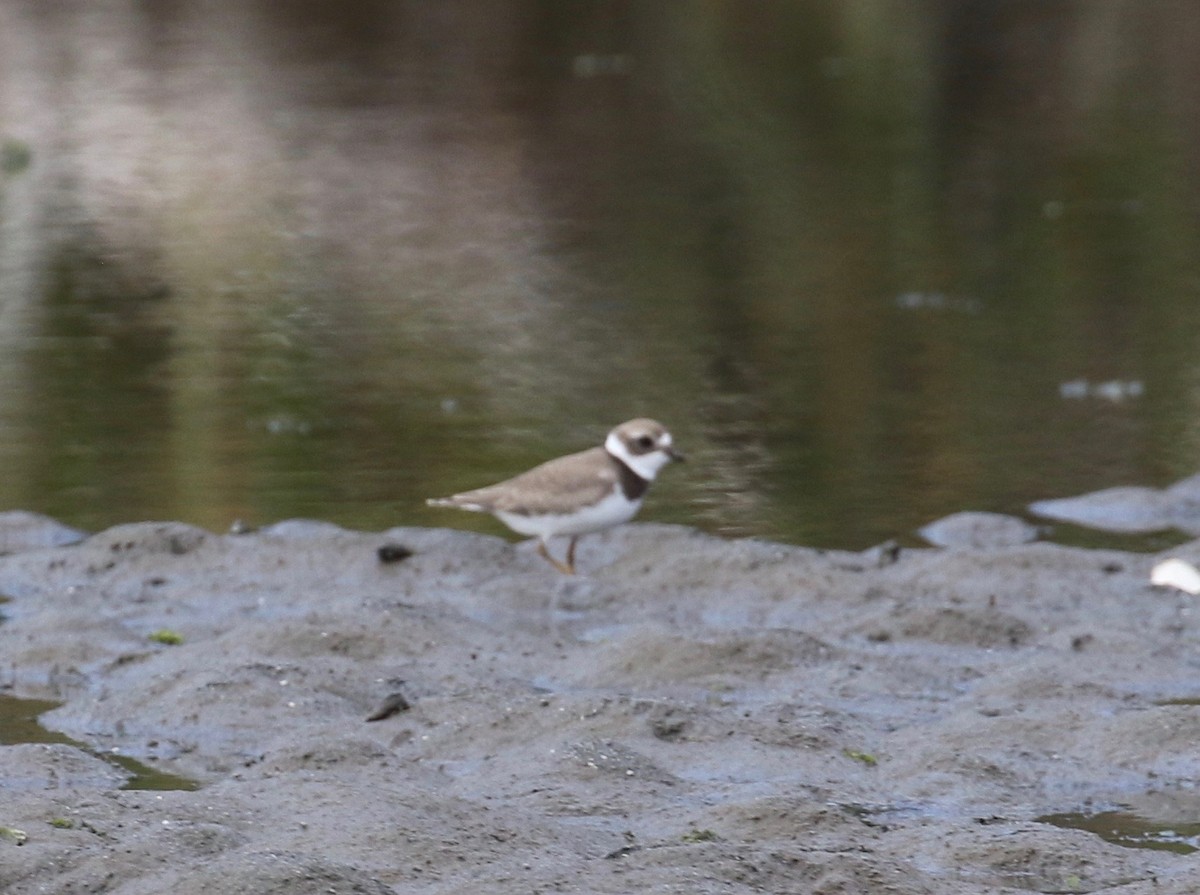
(675,455)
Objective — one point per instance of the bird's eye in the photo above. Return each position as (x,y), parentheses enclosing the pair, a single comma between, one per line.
(645,442)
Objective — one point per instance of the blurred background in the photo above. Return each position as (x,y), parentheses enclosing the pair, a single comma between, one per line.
(872,262)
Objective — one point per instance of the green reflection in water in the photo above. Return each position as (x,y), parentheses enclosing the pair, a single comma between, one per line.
(19,724)
(15,157)
(1131,830)
(1095,539)
(851,254)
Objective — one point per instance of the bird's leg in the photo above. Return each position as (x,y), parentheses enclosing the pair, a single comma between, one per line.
(567,568)
(571,554)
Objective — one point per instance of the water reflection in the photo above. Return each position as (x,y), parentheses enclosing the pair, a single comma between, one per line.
(260,261)
(19,724)
(1132,829)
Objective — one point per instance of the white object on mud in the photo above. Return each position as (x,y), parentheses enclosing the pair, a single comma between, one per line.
(1177,574)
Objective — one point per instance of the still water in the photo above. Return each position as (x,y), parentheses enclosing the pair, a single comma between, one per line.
(19,724)
(872,262)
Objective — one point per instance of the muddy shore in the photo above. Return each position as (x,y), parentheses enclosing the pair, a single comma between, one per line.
(689,714)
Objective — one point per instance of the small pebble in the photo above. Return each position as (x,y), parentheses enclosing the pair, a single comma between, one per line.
(390,553)
(393,704)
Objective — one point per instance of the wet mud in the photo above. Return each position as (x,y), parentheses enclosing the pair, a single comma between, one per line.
(688,714)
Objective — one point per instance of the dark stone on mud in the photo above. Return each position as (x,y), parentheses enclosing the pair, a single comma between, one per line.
(391,553)
(393,704)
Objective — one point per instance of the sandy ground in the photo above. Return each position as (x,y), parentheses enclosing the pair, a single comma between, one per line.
(687,715)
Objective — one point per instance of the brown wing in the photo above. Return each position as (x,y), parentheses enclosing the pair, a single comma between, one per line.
(550,488)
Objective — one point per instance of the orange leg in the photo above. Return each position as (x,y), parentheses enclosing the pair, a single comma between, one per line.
(567,568)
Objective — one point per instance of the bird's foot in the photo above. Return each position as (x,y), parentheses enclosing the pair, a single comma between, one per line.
(568,567)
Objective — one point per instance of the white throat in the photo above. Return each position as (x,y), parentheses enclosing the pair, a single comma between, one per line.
(645,465)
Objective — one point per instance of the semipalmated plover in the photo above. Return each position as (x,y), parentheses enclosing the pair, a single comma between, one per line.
(579,493)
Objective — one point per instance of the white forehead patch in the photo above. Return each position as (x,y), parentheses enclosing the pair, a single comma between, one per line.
(645,465)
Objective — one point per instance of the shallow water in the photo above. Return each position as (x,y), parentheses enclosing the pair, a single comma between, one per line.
(1132,830)
(872,265)
(19,724)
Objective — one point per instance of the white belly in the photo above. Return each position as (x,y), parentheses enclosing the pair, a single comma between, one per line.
(613,510)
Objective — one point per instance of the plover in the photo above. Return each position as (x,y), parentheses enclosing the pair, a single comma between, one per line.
(579,493)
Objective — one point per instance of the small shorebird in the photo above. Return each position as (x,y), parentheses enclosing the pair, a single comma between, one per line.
(579,493)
